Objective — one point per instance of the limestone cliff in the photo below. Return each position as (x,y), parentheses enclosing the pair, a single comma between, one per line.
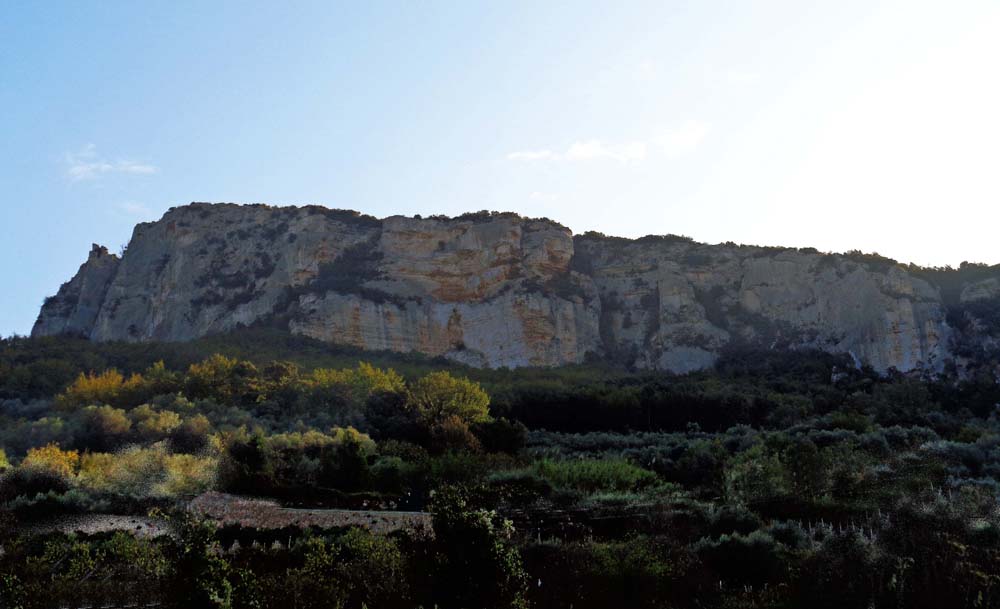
(493,289)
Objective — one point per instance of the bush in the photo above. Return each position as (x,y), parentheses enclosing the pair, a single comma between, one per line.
(592,475)
(28,482)
(452,434)
(477,566)
(52,459)
(104,428)
(295,462)
(192,435)
(147,472)
(638,572)
(753,560)
(732,519)
(501,435)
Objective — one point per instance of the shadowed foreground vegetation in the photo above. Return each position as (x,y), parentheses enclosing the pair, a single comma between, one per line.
(773,480)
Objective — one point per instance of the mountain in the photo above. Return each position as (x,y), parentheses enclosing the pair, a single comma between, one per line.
(497,289)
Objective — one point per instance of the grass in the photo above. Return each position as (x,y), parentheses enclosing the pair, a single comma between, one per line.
(595,475)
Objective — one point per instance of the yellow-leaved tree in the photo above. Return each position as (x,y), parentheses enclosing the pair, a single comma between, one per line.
(51,458)
(355,385)
(440,396)
(96,389)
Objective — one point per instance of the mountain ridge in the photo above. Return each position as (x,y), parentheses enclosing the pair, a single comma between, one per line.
(498,289)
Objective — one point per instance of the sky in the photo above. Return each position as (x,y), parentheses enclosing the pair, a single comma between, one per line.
(838,125)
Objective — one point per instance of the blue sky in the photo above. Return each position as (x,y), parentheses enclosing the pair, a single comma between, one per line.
(839,125)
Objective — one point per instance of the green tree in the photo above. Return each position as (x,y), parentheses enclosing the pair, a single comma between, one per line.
(344,465)
(153,424)
(808,470)
(12,592)
(160,381)
(344,394)
(478,565)
(202,573)
(316,584)
(754,476)
(501,435)
(226,380)
(373,569)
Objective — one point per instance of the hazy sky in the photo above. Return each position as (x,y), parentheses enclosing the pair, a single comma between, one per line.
(839,125)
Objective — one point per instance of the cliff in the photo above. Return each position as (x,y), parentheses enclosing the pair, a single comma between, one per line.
(74,309)
(491,289)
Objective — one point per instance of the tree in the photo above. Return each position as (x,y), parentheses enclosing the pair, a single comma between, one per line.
(316,583)
(241,469)
(439,396)
(808,470)
(160,381)
(154,425)
(501,435)
(104,428)
(344,394)
(192,435)
(104,388)
(344,465)
(369,380)
(755,476)
(753,559)
(185,475)
(453,434)
(51,458)
(226,380)
(373,569)
(202,574)
(478,564)
(390,416)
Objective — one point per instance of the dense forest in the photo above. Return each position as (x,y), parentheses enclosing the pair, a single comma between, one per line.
(775,479)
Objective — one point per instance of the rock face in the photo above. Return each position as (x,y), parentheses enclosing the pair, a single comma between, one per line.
(674,304)
(492,289)
(987,289)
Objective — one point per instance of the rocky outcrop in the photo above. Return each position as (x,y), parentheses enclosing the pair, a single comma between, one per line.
(987,289)
(493,289)
(75,307)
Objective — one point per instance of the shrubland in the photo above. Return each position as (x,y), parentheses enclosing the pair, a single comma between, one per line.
(775,479)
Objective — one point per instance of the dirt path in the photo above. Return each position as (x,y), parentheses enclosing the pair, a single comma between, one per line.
(90,524)
(268,514)
(248,512)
